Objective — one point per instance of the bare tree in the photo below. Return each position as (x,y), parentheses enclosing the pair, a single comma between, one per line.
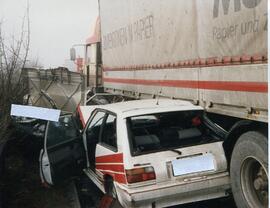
(34,63)
(13,57)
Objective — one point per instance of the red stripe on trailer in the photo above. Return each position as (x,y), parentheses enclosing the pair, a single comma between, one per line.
(197,63)
(110,167)
(234,86)
(114,158)
(208,85)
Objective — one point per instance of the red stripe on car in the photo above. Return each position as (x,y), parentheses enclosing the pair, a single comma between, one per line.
(118,177)
(111,167)
(114,158)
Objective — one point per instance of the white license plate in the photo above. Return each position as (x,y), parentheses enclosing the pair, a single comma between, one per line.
(193,164)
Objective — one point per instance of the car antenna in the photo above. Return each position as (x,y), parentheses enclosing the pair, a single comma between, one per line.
(160,92)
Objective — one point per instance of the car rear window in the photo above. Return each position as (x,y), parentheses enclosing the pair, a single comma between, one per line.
(162,131)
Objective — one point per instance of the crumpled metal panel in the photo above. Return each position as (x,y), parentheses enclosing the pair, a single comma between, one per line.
(54,88)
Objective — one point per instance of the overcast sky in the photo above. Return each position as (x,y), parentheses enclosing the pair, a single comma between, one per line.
(55,26)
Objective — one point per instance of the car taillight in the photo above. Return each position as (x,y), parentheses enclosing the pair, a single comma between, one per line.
(140,174)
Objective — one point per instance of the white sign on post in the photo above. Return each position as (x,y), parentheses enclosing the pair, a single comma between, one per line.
(35,112)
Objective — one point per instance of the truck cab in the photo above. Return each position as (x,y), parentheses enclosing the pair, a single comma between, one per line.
(93,58)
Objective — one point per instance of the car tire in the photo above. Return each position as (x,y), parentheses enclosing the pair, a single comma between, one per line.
(249,170)
(111,190)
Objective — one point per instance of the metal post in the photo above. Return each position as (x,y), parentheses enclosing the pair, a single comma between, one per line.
(1,62)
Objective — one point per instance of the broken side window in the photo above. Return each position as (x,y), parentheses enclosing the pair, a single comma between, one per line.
(63,130)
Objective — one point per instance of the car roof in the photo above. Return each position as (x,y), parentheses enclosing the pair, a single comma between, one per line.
(148,106)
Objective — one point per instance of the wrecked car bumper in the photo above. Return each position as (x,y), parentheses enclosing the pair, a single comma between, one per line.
(169,194)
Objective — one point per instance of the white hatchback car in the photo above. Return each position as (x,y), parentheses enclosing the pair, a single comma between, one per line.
(146,153)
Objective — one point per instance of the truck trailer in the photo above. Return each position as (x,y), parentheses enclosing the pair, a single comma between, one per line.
(212,53)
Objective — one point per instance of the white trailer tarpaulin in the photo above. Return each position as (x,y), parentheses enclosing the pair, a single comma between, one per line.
(212,52)
(158,31)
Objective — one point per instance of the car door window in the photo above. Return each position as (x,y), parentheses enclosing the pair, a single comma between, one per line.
(93,129)
(61,131)
(109,133)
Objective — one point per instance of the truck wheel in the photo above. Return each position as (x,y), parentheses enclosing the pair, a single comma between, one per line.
(249,171)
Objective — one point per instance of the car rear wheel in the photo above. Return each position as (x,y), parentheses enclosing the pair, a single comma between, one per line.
(110,188)
(249,171)
(112,193)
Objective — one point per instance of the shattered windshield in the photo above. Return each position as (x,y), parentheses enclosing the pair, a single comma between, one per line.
(105,99)
(170,130)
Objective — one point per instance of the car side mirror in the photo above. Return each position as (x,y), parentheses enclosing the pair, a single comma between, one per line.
(72,54)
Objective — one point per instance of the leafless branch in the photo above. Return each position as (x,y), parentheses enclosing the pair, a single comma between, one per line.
(13,57)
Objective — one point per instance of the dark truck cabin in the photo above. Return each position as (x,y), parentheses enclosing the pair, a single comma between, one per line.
(168,131)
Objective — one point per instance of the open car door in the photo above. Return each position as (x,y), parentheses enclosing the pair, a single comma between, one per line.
(63,155)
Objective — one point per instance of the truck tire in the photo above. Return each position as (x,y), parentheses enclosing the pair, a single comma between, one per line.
(249,171)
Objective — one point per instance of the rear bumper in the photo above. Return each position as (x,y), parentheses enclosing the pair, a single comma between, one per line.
(169,194)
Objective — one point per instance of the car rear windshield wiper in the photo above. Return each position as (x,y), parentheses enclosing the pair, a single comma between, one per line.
(176,151)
